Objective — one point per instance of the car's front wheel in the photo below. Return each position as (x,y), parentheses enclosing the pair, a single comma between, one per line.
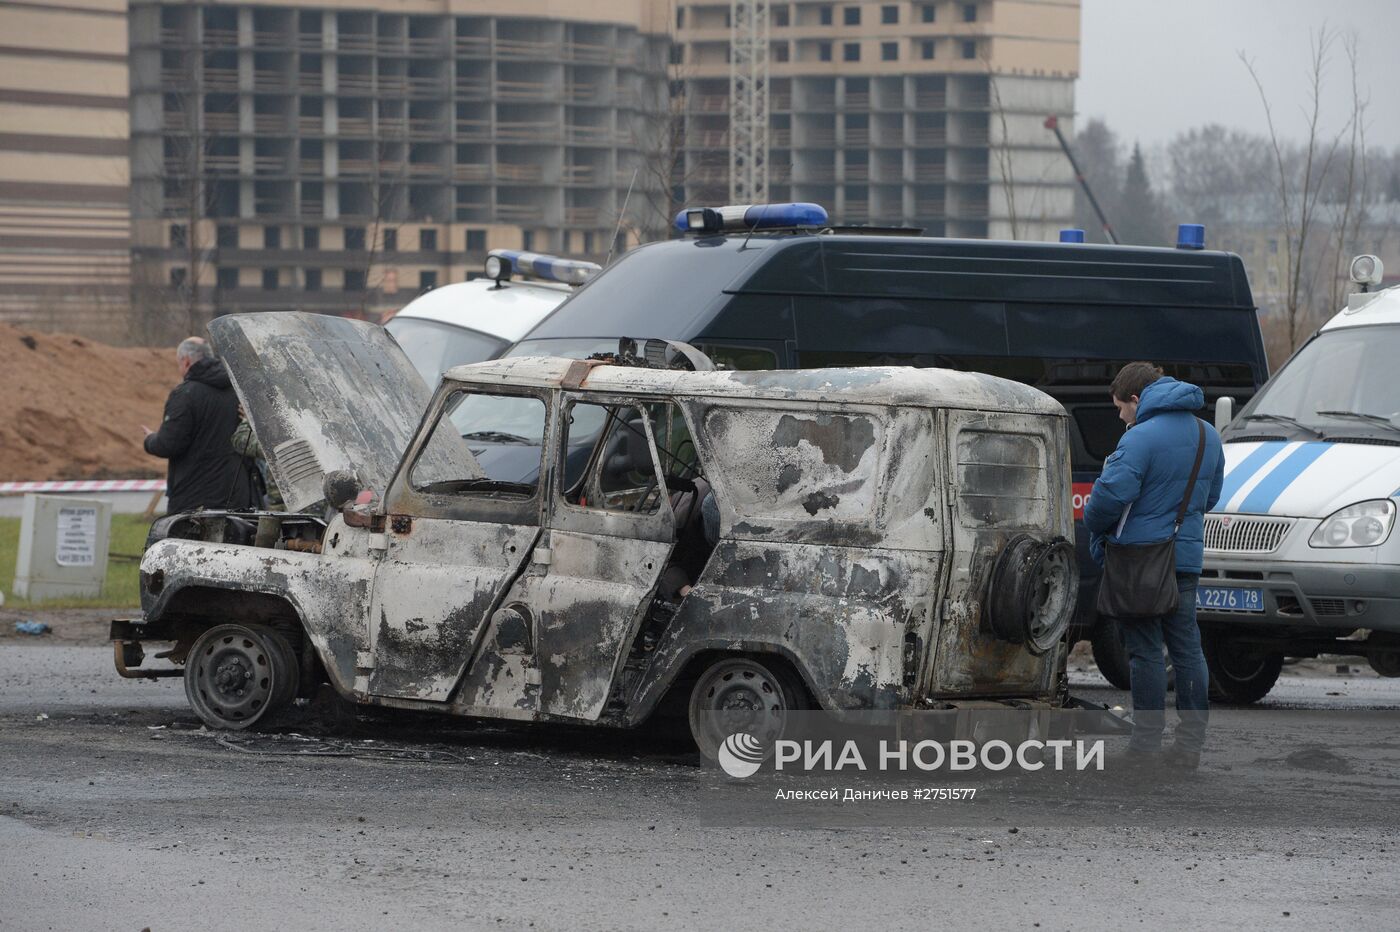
(743,695)
(1239,674)
(238,675)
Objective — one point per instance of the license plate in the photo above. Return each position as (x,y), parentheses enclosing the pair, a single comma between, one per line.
(1222,599)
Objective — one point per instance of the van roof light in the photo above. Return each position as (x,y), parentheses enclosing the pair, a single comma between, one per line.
(739,218)
(502,263)
(1071,236)
(1366,270)
(1190,236)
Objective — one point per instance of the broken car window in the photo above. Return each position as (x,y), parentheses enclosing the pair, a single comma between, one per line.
(619,473)
(504,435)
(825,464)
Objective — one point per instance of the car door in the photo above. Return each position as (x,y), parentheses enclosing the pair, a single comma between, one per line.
(588,585)
(1004,478)
(456,537)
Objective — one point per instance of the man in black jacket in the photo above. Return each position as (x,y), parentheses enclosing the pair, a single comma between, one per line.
(200,416)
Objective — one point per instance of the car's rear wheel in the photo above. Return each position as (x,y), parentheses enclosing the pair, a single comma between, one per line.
(1110,654)
(238,675)
(742,695)
(1239,674)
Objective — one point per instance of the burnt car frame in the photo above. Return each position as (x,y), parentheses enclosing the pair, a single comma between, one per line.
(888,538)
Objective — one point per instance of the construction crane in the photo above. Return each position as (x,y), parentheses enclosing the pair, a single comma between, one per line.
(1052,123)
(748,102)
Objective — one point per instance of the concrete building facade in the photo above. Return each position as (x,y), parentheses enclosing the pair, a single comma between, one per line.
(224,155)
(922,113)
(343,158)
(64,219)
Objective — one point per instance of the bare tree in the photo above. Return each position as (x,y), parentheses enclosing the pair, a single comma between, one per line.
(660,173)
(1212,171)
(386,188)
(1299,193)
(1001,153)
(181,167)
(1351,209)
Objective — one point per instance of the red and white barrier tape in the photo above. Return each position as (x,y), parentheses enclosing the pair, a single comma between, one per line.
(85,485)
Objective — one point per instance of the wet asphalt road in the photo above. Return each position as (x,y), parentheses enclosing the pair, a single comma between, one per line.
(117,812)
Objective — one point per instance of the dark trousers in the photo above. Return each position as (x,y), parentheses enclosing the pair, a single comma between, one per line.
(1181,638)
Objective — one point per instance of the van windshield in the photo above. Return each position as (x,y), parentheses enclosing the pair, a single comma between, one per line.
(434,347)
(1343,377)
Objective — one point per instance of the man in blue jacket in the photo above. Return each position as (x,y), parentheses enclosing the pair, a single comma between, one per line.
(1146,476)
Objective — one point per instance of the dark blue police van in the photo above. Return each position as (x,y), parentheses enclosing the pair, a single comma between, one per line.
(774,287)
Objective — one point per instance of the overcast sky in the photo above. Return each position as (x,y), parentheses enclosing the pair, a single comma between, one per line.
(1151,68)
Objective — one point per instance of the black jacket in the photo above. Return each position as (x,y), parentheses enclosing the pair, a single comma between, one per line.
(200,416)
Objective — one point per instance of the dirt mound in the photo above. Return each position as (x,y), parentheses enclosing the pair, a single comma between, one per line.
(71,408)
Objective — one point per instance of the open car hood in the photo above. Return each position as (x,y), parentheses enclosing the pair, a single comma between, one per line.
(323,394)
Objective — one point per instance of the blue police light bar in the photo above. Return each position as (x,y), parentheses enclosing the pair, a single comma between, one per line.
(501,263)
(1190,236)
(1071,236)
(737,218)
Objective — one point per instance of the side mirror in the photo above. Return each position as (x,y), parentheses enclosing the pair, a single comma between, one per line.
(1224,412)
(340,488)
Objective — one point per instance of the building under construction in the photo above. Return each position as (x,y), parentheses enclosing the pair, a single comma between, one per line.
(344,156)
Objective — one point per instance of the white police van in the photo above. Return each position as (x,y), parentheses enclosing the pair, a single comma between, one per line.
(477,320)
(1300,557)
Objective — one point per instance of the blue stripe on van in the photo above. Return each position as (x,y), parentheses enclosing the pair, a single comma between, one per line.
(1237,477)
(1268,491)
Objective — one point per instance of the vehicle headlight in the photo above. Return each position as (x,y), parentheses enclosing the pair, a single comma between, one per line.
(1364,524)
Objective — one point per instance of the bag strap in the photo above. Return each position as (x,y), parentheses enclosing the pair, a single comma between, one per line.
(1195,471)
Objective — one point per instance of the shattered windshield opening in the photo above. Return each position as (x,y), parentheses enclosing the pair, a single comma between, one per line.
(1343,380)
(510,428)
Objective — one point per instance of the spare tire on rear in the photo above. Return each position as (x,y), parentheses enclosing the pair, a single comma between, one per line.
(1031,594)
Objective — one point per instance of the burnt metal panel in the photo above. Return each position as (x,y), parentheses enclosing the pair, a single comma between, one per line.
(832,473)
(840,614)
(329,393)
(434,593)
(1007,474)
(330,590)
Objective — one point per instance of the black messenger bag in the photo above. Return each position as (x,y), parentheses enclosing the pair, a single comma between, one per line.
(1139,580)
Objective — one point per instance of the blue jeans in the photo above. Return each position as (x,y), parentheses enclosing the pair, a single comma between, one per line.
(1148,673)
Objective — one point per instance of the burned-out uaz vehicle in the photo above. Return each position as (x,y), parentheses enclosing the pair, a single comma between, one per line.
(744,544)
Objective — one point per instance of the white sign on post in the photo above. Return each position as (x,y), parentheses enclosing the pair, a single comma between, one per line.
(77,537)
(62,547)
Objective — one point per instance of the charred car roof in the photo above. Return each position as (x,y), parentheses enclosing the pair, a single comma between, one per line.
(875,385)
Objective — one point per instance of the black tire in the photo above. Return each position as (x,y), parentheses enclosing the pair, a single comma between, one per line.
(1238,675)
(238,675)
(743,694)
(290,684)
(1386,664)
(1110,656)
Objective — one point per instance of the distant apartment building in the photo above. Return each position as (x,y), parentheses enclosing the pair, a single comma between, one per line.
(923,113)
(63,166)
(228,155)
(345,157)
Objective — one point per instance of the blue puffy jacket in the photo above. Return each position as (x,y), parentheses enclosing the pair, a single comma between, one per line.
(1149,471)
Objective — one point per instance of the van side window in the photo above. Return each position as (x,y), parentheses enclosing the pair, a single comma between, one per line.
(742,358)
(483,444)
